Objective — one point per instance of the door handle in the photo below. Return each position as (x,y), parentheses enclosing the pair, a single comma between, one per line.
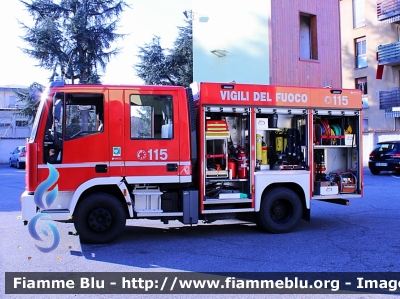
(101,168)
(172,167)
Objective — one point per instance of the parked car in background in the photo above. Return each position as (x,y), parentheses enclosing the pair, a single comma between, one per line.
(385,157)
(18,157)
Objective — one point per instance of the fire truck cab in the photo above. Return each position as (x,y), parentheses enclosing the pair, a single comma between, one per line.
(99,154)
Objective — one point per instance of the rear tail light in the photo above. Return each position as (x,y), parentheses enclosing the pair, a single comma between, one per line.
(23,155)
(395,156)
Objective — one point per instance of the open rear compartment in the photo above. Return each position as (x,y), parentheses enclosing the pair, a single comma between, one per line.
(283,134)
(337,172)
(241,141)
(227,180)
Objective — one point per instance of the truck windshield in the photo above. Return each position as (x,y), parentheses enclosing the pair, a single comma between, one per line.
(38,114)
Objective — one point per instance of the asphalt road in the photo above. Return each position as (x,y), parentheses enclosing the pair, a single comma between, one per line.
(361,237)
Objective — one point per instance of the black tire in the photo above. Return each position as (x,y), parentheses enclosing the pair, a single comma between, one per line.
(10,163)
(280,211)
(374,171)
(99,218)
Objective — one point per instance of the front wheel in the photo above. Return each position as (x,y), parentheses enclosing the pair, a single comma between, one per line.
(99,218)
(280,211)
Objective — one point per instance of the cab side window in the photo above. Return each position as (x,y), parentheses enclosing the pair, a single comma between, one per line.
(151,116)
(72,115)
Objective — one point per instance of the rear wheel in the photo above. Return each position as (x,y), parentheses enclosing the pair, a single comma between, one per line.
(374,171)
(280,211)
(10,163)
(99,218)
(19,166)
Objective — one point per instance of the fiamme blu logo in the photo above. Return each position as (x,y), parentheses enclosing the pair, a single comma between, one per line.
(44,202)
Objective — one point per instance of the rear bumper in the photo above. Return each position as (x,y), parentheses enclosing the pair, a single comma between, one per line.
(28,206)
(391,166)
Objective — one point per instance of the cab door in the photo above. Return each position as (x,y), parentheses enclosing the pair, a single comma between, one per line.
(152,141)
(76,141)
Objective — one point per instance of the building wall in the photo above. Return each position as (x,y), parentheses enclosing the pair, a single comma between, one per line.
(261,40)
(376,34)
(12,125)
(262,44)
(239,30)
(287,68)
(7,96)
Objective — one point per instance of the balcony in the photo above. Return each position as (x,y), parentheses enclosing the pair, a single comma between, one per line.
(389,99)
(388,10)
(389,54)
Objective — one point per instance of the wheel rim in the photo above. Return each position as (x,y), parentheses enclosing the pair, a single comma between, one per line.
(100,219)
(281,211)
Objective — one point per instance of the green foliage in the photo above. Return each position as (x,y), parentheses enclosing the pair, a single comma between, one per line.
(152,68)
(143,126)
(29,98)
(181,58)
(168,66)
(73,38)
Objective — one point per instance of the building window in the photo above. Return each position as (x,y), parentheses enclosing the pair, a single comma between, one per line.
(365,124)
(361,84)
(358,13)
(398,33)
(308,37)
(5,124)
(399,79)
(11,102)
(21,123)
(361,52)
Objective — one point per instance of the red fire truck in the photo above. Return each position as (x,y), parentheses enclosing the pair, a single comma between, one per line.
(209,152)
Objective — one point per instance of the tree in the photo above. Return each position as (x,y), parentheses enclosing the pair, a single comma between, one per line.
(168,66)
(73,38)
(30,99)
(181,59)
(153,67)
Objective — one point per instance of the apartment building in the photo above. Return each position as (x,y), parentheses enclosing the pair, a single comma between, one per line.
(370,32)
(12,125)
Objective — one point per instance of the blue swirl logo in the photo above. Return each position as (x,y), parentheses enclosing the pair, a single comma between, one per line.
(45,203)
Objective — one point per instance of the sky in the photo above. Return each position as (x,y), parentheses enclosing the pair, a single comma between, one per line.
(145,19)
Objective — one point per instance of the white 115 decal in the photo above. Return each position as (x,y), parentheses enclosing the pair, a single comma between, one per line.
(153,154)
(336,100)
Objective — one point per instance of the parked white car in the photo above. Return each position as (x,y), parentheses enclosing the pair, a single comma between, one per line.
(18,157)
